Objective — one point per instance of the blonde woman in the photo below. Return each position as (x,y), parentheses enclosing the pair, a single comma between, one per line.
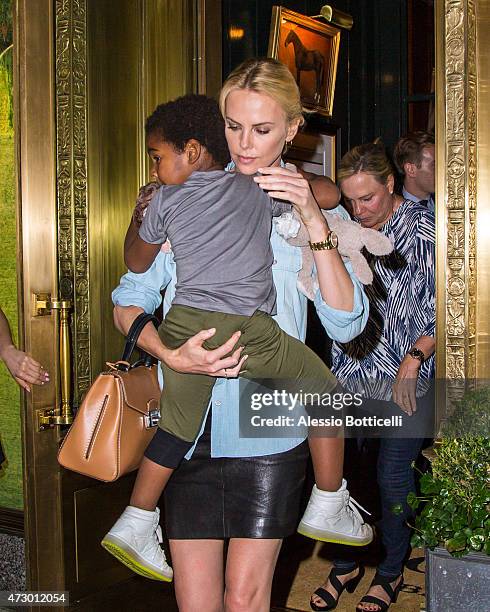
(247,490)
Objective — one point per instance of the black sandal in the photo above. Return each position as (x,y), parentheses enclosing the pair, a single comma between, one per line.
(349,585)
(384,582)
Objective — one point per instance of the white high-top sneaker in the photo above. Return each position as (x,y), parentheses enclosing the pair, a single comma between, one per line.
(333,517)
(135,540)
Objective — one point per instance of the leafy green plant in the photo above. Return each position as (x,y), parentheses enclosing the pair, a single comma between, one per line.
(456,495)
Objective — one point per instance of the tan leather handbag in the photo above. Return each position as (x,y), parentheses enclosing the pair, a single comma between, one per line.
(118,416)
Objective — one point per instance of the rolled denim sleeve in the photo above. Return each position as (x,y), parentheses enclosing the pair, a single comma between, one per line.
(342,325)
(144,289)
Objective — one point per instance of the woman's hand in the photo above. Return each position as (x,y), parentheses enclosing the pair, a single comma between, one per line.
(190,358)
(288,184)
(24,369)
(193,358)
(405,385)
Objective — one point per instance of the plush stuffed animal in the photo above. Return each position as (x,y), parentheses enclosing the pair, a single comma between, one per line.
(352,239)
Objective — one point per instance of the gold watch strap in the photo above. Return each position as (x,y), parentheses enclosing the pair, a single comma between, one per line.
(323,245)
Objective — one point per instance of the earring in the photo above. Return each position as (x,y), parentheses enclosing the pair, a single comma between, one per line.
(287,144)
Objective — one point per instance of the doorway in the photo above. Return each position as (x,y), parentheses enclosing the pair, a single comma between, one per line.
(85,77)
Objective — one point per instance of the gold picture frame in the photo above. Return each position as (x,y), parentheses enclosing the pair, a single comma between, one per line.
(310,49)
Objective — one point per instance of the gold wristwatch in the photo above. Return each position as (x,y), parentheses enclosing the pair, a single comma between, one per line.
(330,242)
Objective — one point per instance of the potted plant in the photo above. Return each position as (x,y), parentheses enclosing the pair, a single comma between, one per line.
(454,524)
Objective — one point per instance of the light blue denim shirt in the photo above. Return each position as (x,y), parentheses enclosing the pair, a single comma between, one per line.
(143,290)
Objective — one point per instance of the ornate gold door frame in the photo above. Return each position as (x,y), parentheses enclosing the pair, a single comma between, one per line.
(463,189)
(36,163)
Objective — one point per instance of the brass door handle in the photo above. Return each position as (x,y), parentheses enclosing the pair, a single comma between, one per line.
(60,415)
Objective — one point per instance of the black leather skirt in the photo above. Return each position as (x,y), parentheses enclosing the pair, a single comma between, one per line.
(251,497)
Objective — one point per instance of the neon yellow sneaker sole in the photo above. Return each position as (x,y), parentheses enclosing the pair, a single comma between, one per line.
(133,564)
(333,539)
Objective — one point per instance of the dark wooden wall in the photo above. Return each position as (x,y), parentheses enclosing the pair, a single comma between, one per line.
(371,88)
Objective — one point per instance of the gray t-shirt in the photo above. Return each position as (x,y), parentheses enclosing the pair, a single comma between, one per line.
(219,225)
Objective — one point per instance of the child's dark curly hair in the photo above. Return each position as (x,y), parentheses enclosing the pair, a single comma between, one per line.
(191,117)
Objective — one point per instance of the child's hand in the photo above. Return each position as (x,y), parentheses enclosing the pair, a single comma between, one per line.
(326,192)
(145,195)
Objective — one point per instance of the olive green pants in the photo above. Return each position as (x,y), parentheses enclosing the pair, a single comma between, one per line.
(272,354)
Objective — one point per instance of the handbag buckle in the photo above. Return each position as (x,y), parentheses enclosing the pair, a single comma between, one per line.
(152,419)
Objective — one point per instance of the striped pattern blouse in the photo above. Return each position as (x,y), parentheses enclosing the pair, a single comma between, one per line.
(402,307)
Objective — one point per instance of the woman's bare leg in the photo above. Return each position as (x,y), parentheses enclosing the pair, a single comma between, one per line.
(198,574)
(250,568)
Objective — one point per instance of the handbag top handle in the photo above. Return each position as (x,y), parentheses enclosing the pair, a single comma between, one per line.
(132,338)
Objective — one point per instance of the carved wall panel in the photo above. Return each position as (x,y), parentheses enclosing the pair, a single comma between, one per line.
(457,129)
(71,94)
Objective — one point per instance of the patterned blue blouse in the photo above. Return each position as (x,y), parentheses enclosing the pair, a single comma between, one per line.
(402,307)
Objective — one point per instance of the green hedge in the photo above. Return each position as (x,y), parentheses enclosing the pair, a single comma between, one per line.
(11,474)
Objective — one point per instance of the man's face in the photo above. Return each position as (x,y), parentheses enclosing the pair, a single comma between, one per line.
(425,173)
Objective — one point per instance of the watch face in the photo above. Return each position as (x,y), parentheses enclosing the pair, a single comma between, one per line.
(334,239)
(417,354)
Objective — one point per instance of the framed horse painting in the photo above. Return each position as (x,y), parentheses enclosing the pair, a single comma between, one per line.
(310,49)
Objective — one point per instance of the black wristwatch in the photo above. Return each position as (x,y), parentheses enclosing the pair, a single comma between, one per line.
(417,354)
